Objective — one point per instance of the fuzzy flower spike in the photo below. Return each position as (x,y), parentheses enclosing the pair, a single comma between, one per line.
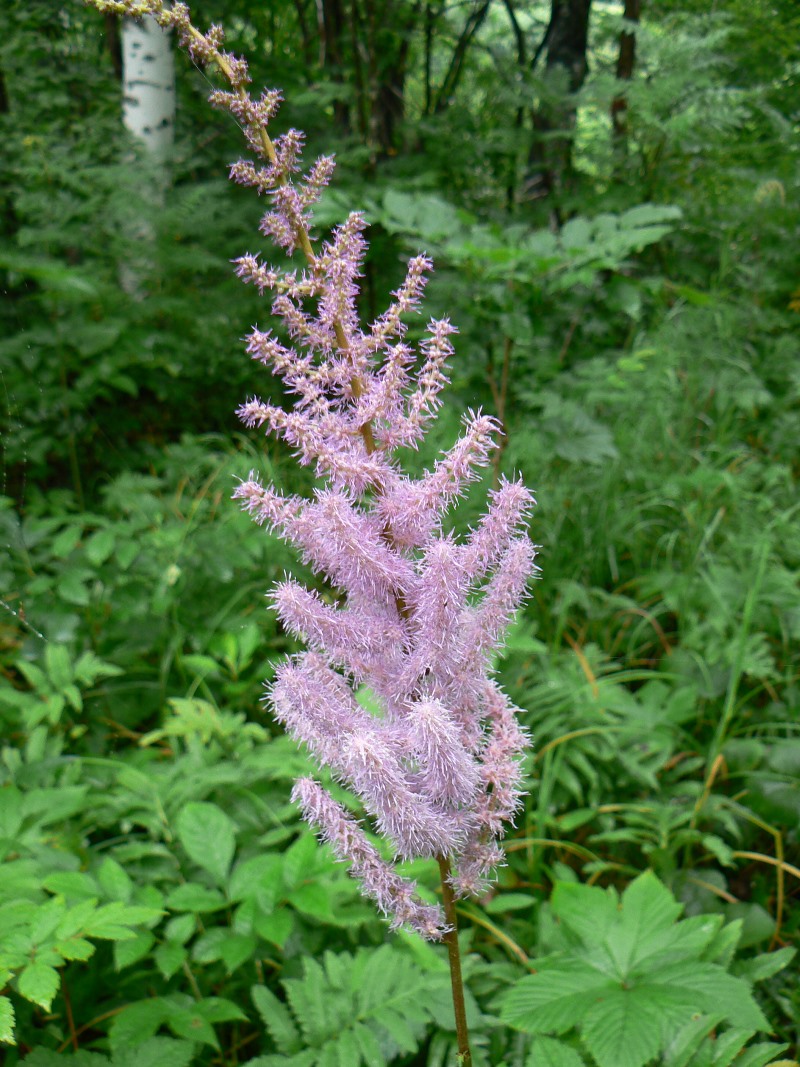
(420,614)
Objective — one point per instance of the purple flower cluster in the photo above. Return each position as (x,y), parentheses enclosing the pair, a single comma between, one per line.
(419,613)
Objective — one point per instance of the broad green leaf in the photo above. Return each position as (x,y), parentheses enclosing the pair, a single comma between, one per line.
(624,1029)
(113,922)
(312,899)
(170,957)
(180,928)
(275,927)
(75,948)
(6,1021)
(554,1001)
(114,880)
(648,911)
(586,910)
(99,546)
(715,990)
(260,876)
(39,983)
(549,1052)
(132,950)
(208,836)
(74,885)
(195,898)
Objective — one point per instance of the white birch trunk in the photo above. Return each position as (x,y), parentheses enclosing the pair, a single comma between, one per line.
(148,107)
(148,113)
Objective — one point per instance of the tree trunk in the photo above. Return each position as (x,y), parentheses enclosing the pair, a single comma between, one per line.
(148,113)
(148,103)
(625,64)
(566,66)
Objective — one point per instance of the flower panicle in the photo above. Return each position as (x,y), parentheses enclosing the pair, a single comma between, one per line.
(395,694)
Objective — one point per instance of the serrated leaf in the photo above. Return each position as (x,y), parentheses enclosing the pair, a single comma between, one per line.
(39,983)
(624,1029)
(113,922)
(99,546)
(549,1052)
(76,948)
(682,1045)
(729,1044)
(586,910)
(114,881)
(760,1054)
(7,1021)
(312,899)
(277,1018)
(275,927)
(170,957)
(554,1001)
(765,965)
(156,1052)
(136,1023)
(209,837)
(195,898)
(131,951)
(715,990)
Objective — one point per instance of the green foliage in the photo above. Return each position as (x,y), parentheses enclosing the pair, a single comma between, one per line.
(630,978)
(159,904)
(365,1009)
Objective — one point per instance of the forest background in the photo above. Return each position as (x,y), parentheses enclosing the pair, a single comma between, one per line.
(612,200)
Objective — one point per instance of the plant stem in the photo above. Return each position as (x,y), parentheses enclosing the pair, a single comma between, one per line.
(454,954)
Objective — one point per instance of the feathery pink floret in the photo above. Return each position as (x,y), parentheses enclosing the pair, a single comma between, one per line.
(394,895)
(435,761)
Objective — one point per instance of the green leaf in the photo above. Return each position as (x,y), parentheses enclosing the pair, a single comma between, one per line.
(714,990)
(76,948)
(624,1029)
(39,983)
(275,927)
(6,1021)
(586,910)
(681,1047)
(136,1023)
(765,965)
(208,836)
(131,951)
(504,902)
(277,1019)
(156,1052)
(195,898)
(114,880)
(260,877)
(312,899)
(99,546)
(760,1054)
(548,1052)
(170,957)
(554,1000)
(113,922)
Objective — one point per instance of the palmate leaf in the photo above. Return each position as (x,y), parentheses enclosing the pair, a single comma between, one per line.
(625,1029)
(555,1000)
(548,1052)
